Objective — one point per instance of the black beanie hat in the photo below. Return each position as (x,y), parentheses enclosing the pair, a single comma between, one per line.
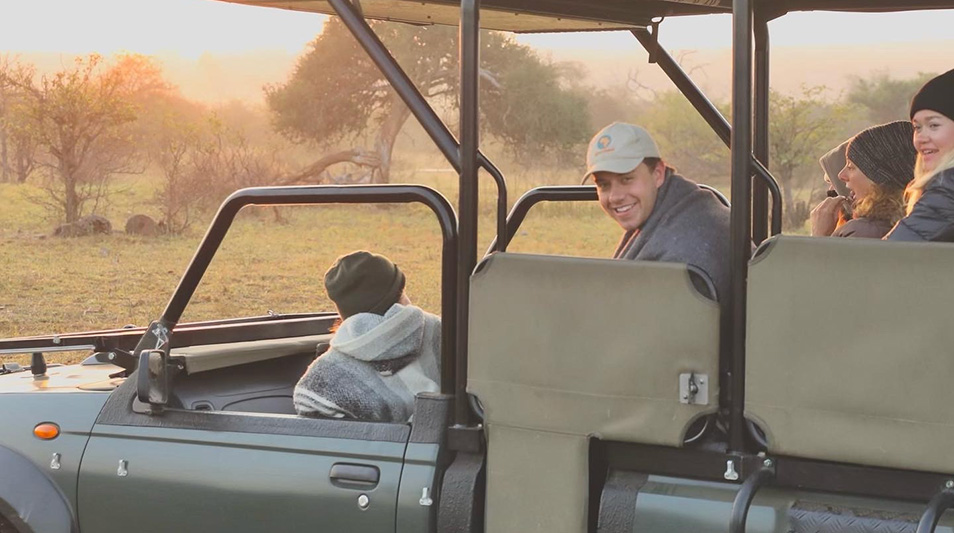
(363,282)
(885,153)
(936,95)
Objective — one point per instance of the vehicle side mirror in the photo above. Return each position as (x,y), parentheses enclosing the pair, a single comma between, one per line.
(153,381)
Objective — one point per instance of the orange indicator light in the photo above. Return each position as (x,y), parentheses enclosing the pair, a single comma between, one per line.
(46,431)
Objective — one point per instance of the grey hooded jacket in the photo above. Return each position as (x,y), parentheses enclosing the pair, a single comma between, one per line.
(688,225)
(374,368)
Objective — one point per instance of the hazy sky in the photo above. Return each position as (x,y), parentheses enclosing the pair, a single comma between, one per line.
(190,27)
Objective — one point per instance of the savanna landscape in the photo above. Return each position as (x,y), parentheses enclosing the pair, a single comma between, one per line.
(111,137)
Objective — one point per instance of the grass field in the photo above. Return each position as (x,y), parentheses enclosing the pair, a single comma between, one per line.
(58,285)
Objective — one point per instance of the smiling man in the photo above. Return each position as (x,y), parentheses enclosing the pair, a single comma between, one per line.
(665,216)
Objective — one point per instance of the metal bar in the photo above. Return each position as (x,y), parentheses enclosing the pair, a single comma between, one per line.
(743,498)
(712,116)
(790,472)
(941,502)
(415,101)
(761,140)
(469,142)
(334,194)
(408,92)
(519,211)
(740,244)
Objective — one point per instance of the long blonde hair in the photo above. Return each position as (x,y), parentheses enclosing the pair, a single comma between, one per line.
(921,179)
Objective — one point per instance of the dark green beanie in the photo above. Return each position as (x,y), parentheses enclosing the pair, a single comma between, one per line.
(363,282)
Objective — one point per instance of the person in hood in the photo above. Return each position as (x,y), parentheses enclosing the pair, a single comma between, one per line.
(383,353)
(836,206)
(664,216)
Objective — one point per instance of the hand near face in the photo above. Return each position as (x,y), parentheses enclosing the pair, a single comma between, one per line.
(825,216)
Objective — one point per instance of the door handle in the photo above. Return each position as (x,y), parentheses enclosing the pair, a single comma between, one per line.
(349,475)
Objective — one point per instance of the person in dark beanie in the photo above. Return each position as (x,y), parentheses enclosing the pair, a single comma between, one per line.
(383,353)
(930,197)
(879,164)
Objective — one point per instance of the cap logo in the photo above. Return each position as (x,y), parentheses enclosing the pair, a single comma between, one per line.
(603,142)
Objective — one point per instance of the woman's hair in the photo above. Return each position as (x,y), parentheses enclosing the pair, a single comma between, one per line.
(884,202)
(912,193)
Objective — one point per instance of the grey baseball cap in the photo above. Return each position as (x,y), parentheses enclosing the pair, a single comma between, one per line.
(619,148)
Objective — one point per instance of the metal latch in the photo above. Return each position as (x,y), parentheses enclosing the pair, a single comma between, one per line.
(694,389)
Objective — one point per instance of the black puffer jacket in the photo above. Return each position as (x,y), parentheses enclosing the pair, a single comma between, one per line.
(932,218)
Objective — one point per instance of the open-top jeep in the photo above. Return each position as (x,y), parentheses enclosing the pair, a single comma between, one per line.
(576,395)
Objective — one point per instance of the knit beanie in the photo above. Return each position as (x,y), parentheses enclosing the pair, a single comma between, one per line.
(885,153)
(363,282)
(936,95)
(832,163)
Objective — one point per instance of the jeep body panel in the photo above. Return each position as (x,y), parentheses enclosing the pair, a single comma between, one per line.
(59,458)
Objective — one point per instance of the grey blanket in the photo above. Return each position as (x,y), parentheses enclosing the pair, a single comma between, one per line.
(374,368)
(688,225)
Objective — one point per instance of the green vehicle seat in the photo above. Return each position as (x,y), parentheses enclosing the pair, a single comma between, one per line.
(844,357)
(563,349)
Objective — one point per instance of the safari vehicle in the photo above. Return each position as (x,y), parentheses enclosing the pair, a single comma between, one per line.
(576,395)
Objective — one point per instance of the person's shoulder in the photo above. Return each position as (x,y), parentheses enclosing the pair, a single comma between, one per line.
(863,228)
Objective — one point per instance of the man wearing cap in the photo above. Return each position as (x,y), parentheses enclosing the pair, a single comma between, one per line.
(384,351)
(665,217)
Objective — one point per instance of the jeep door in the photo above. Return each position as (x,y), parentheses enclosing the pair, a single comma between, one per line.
(185,471)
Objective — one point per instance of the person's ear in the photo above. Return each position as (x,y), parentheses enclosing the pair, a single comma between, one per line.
(659,174)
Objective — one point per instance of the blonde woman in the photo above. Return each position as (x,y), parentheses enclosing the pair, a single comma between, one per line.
(930,207)
(879,164)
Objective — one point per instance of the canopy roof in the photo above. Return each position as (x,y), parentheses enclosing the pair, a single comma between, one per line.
(528,16)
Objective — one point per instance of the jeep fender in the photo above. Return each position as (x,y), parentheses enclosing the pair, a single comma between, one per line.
(29,499)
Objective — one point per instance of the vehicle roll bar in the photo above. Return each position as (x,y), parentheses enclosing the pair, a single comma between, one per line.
(334,194)
(941,502)
(712,116)
(556,193)
(740,221)
(743,498)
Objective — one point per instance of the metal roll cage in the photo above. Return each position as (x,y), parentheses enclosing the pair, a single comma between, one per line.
(753,218)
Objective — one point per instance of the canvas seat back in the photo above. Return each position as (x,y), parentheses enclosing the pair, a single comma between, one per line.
(850,351)
(562,349)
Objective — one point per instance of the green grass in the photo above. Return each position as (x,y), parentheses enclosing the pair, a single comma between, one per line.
(56,285)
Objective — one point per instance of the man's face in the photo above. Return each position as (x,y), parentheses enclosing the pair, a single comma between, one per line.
(629,198)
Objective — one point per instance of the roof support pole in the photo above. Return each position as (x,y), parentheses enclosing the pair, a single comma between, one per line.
(469,142)
(740,219)
(761,141)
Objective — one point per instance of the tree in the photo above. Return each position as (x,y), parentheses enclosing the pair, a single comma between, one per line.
(17,146)
(883,98)
(802,128)
(336,92)
(684,137)
(79,118)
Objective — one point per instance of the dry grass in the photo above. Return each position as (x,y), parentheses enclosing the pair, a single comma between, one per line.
(53,285)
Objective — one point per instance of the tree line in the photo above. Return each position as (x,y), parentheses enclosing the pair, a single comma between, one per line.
(73,131)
